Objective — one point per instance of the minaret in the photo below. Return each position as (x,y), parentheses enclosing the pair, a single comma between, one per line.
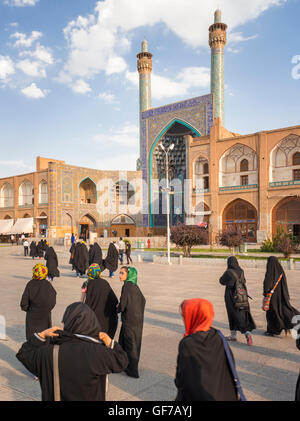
(144,67)
(217,42)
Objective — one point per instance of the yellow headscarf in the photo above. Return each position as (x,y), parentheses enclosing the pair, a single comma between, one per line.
(40,272)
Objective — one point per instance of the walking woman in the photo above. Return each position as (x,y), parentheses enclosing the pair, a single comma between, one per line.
(112,259)
(33,250)
(72,252)
(131,307)
(81,258)
(128,252)
(239,315)
(100,297)
(40,249)
(297,398)
(95,255)
(203,372)
(38,300)
(86,356)
(280,313)
(52,263)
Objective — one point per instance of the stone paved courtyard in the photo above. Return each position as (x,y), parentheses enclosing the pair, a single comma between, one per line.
(268,370)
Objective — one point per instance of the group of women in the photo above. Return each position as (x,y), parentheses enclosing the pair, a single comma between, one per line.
(280,312)
(96,315)
(205,364)
(81,258)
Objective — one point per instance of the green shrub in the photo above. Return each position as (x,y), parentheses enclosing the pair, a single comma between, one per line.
(267,246)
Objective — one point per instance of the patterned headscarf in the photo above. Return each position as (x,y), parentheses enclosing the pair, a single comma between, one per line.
(132,275)
(94,271)
(40,272)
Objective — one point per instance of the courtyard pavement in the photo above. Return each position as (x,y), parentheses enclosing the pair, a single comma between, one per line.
(268,370)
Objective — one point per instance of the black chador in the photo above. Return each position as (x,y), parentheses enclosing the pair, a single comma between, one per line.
(84,361)
(102,300)
(38,299)
(33,249)
(297,398)
(132,306)
(203,372)
(239,320)
(279,316)
(112,258)
(72,253)
(40,248)
(81,258)
(95,256)
(52,262)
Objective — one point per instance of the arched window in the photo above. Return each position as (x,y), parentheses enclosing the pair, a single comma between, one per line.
(205,168)
(88,191)
(26,193)
(244,166)
(296,158)
(124,193)
(43,192)
(7,196)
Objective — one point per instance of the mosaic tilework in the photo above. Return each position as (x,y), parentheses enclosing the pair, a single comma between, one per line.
(217,80)
(196,112)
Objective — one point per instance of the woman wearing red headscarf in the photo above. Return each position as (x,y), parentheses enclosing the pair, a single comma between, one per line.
(203,372)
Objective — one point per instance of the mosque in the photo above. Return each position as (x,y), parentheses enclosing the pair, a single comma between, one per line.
(249,181)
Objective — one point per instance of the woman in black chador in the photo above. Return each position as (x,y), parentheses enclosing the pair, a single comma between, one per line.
(132,307)
(40,249)
(72,253)
(33,249)
(297,398)
(86,356)
(38,299)
(280,314)
(100,297)
(239,317)
(95,256)
(52,263)
(81,258)
(111,260)
(203,372)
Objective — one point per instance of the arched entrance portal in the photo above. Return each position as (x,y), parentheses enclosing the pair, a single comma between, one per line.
(123,226)
(243,216)
(87,224)
(174,134)
(286,214)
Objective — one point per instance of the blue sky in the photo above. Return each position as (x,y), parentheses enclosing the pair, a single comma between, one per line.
(69,86)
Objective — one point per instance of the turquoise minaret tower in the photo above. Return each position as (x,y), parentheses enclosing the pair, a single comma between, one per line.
(144,67)
(217,42)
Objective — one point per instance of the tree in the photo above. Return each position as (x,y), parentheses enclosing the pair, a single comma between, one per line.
(187,236)
(230,237)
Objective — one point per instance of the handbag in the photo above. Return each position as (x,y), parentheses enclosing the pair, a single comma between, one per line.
(268,296)
(237,383)
(56,382)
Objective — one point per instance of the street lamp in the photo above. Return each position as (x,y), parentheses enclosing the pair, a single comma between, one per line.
(167,190)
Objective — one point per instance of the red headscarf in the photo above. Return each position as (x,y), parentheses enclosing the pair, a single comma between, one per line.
(198,315)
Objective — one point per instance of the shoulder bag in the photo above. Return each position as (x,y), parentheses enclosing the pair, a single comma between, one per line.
(268,296)
(237,383)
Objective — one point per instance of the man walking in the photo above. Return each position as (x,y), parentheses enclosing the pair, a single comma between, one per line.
(26,246)
(121,249)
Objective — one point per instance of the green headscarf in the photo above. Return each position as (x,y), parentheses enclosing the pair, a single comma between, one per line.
(132,275)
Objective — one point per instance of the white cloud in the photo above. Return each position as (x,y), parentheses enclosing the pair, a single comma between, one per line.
(128,136)
(163,87)
(108,97)
(34,92)
(123,162)
(81,87)
(7,67)
(21,3)
(97,42)
(233,50)
(41,53)
(238,37)
(32,68)
(24,41)
(20,164)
